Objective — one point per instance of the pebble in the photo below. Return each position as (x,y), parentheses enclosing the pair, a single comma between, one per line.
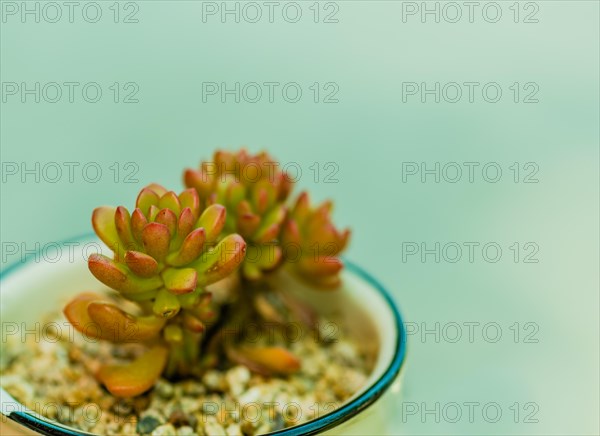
(220,404)
(234,430)
(252,395)
(345,351)
(214,380)
(237,379)
(164,389)
(192,389)
(164,430)
(214,429)
(147,424)
(186,430)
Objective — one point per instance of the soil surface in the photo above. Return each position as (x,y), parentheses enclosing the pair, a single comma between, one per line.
(52,374)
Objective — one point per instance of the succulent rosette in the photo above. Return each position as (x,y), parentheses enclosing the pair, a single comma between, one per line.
(253,190)
(312,243)
(233,217)
(165,253)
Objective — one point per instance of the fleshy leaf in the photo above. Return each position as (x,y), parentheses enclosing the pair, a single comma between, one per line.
(119,278)
(291,234)
(192,323)
(260,200)
(103,221)
(159,189)
(270,257)
(267,234)
(235,193)
(123,226)
(77,313)
(173,334)
(190,249)
(201,182)
(343,239)
(156,238)
(169,219)
(222,260)
(153,212)
(146,198)
(265,360)
(251,271)
(116,325)
(135,378)
(247,221)
(141,264)
(170,201)
(321,266)
(213,220)
(180,281)
(185,223)
(302,208)
(190,300)
(138,222)
(166,305)
(189,198)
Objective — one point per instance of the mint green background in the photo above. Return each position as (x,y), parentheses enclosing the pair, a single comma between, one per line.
(369,133)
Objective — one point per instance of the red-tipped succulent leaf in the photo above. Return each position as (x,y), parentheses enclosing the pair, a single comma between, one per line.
(316,242)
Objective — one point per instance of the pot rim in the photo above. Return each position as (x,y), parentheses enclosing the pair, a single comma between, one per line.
(347,411)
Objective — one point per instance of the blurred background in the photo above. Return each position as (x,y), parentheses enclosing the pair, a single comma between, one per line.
(460,142)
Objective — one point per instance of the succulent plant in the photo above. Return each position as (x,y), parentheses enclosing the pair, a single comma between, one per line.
(253,189)
(313,243)
(233,217)
(165,253)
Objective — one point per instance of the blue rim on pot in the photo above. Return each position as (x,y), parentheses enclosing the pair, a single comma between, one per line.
(347,411)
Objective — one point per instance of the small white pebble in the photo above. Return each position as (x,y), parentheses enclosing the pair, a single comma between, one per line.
(164,430)
(252,395)
(214,429)
(164,389)
(214,380)
(186,430)
(237,379)
(234,430)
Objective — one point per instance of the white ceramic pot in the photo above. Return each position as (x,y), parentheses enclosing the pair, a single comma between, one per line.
(42,283)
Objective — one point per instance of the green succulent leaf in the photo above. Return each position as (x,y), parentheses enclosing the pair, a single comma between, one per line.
(190,300)
(173,334)
(221,261)
(146,198)
(198,181)
(103,221)
(189,199)
(180,280)
(247,224)
(119,277)
(153,212)
(190,249)
(213,220)
(170,201)
(166,305)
